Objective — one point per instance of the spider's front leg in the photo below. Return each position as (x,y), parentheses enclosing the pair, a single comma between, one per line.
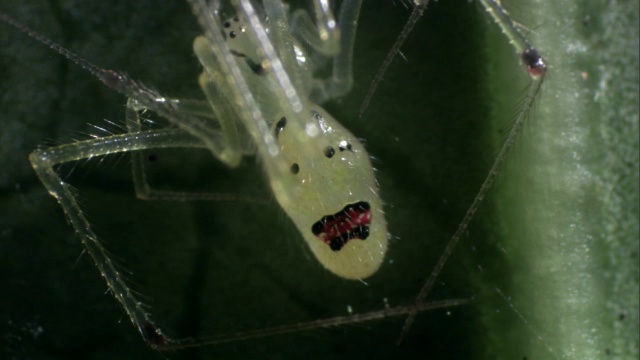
(44,162)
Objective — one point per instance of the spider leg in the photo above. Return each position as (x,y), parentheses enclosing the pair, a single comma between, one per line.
(44,161)
(194,108)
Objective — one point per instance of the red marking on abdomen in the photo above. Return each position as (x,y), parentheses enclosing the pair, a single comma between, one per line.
(352,222)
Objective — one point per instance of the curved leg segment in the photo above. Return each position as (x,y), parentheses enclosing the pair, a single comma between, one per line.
(44,161)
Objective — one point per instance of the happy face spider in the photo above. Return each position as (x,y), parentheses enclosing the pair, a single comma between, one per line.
(257,82)
(327,213)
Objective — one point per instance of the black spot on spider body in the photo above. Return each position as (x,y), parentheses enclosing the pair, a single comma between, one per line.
(280,126)
(232,34)
(295,168)
(226,24)
(345,145)
(329,151)
(337,244)
(257,68)
(237,53)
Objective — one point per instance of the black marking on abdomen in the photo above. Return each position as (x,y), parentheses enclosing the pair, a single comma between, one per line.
(329,152)
(280,126)
(237,53)
(352,222)
(257,68)
(345,145)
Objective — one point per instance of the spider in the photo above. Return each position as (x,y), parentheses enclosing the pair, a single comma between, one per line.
(287,248)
